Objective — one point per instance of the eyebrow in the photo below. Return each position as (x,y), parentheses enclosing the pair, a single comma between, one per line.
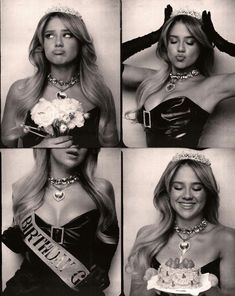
(51,31)
(176,36)
(180,182)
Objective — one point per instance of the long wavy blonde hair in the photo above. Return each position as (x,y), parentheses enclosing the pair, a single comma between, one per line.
(152,238)
(92,83)
(29,191)
(204,63)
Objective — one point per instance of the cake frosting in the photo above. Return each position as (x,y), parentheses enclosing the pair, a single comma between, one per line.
(175,274)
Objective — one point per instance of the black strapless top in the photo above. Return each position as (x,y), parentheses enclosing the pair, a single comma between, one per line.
(212,267)
(177,122)
(34,278)
(85,136)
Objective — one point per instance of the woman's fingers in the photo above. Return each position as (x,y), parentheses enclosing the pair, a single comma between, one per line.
(213,279)
(149,273)
(61,139)
(59,142)
(167,12)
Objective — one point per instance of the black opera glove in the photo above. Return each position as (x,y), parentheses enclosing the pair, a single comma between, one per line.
(97,280)
(133,46)
(13,239)
(214,37)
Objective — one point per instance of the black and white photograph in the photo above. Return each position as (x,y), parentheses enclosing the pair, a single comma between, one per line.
(179,223)
(117,147)
(178,73)
(60,73)
(61,222)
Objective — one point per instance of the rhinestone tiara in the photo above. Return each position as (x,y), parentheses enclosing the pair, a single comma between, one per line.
(192,13)
(63,9)
(193,156)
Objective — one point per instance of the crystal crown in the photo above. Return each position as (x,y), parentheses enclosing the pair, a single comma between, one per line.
(193,156)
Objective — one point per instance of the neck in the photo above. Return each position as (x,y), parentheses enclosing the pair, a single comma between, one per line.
(181,71)
(185,223)
(60,171)
(64,73)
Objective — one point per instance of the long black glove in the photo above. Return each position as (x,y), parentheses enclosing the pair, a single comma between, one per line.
(94,283)
(214,37)
(135,45)
(13,239)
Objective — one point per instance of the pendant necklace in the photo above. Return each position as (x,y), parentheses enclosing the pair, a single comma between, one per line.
(59,194)
(62,85)
(180,77)
(186,234)
(184,246)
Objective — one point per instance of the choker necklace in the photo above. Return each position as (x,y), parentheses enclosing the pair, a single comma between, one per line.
(180,76)
(62,85)
(59,194)
(186,234)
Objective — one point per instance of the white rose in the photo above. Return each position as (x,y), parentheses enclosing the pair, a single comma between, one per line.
(64,117)
(68,105)
(86,115)
(71,125)
(63,128)
(43,113)
(78,119)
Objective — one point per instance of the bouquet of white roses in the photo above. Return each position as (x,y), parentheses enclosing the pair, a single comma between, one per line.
(59,116)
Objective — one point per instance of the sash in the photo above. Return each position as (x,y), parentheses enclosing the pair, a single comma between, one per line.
(65,265)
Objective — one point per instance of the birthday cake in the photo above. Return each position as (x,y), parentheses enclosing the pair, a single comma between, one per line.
(179,275)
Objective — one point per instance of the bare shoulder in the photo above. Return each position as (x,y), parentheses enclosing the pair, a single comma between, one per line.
(16,89)
(18,85)
(105,186)
(225,235)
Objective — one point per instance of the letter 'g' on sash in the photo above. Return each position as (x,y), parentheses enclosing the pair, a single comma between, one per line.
(65,265)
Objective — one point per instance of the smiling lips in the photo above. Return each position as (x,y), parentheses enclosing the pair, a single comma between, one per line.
(187,205)
(58,52)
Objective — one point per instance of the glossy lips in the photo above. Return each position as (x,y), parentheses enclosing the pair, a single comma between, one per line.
(58,52)
(72,152)
(180,58)
(187,205)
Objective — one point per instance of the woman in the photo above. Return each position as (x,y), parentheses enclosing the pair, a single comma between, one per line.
(68,209)
(64,57)
(175,101)
(186,198)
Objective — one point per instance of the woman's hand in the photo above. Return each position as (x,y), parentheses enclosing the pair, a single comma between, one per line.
(14,240)
(135,45)
(96,281)
(167,13)
(59,142)
(208,26)
(213,279)
(150,272)
(214,37)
